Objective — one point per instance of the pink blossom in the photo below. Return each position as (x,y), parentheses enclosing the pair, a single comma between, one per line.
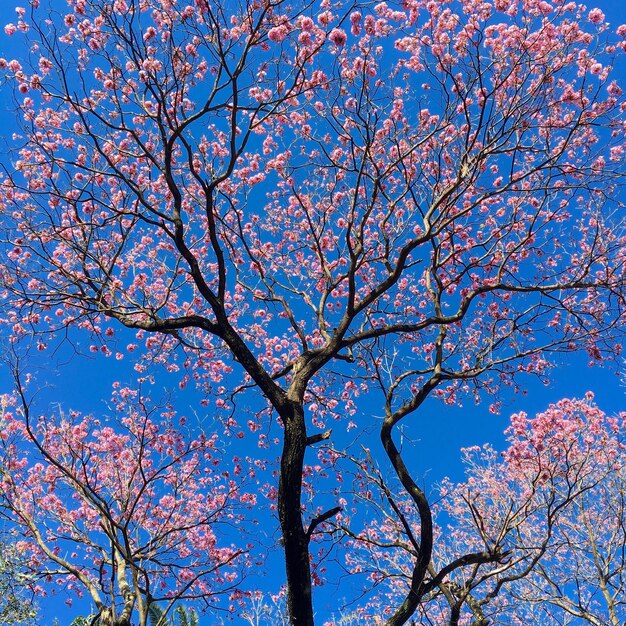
(306,23)
(278,33)
(599,163)
(338,36)
(596,16)
(545,8)
(10,29)
(151,65)
(614,89)
(325,18)
(188,12)
(355,21)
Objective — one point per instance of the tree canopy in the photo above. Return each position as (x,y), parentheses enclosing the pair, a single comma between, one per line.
(311,213)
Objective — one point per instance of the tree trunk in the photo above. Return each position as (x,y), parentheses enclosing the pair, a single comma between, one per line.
(107,618)
(414,595)
(296,541)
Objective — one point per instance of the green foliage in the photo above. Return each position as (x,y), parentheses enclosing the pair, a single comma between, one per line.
(181,617)
(84,621)
(16,603)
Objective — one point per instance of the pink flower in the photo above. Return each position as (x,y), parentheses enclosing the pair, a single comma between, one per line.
(545,8)
(188,12)
(10,29)
(278,33)
(598,164)
(614,89)
(596,16)
(325,18)
(338,37)
(306,23)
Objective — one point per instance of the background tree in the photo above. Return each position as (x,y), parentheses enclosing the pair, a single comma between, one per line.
(17,605)
(551,505)
(317,201)
(128,509)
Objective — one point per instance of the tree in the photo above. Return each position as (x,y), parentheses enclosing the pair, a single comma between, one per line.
(17,606)
(552,505)
(127,508)
(316,201)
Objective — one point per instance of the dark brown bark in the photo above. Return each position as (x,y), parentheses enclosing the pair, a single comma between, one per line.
(416,591)
(295,538)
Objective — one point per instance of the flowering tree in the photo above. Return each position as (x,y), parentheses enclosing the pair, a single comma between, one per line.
(551,506)
(126,509)
(413,199)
